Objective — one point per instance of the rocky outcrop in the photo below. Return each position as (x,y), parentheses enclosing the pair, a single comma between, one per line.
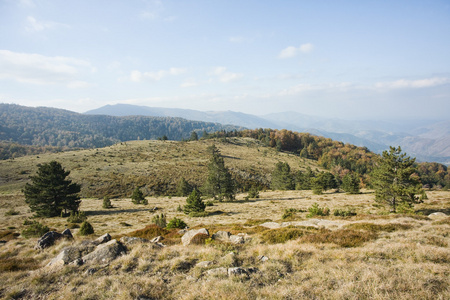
(225,236)
(103,239)
(51,237)
(189,236)
(105,253)
(437,215)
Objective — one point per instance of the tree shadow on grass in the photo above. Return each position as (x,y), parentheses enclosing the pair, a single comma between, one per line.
(114,212)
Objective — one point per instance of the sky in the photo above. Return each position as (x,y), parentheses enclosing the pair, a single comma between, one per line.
(374,59)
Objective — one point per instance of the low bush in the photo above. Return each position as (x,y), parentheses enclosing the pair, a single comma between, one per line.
(176,223)
(107,203)
(35,229)
(77,217)
(344,213)
(289,213)
(86,228)
(159,220)
(315,210)
(345,237)
(149,232)
(282,235)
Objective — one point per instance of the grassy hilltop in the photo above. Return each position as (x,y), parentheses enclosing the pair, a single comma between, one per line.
(369,255)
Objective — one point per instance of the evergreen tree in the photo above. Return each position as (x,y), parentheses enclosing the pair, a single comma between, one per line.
(50,193)
(138,197)
(350,184)
(394,181)
(183,188)
(281,177)
(303,179)
(194,136)
(194,203)
(219,183)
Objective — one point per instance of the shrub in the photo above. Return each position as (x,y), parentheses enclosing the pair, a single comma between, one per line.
(86,228)
(12,212)
(77,217)
(253,192)
(176,223)
(160,220)
(209,203)
(149,232)
(344,213)
(107,203)
(344,237)
(35,229)
(289,213)
(194,203)
(282,235)
(138,197)
(315,210)
(378,227)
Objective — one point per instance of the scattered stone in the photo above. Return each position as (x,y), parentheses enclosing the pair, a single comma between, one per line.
(67,234)
(48,240)
(90,271)
(237,239)
(217,272)
(223,236)
(72,255)
(103,239)
(204,264)
(271,225)
(128,240)
(437,215)
(263,258)
(187,238)
(105,253)
(157,239)
(237,272)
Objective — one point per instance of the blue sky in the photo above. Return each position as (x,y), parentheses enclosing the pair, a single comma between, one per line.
(343,59)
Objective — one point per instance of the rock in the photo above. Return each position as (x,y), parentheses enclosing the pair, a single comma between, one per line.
(437,215)
(67,234)
(103,239)
(182,231)
(72,255)
(204,264)
(271,225)
(217,272)
(187,238)
(128,240)
(48,240)
(157,239)
(263,258)
(237,272)
(223,236)
(237,239)
(105,253)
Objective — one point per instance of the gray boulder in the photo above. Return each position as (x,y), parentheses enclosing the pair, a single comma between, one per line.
(237,239)
(48,240)
(223,236)
(67,234)
(437,215)
(187,238)
(204,264)
(128,240)
(217,272)
(103,239)
(105,253)
(72,255)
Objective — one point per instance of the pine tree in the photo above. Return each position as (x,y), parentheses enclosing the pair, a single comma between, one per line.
(194,203)
(350,184)
(183,188)
(50,193)
(138,197)
(393,179)
(219,183)
(281,177)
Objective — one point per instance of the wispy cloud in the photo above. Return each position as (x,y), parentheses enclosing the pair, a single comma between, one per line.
(154,11)
(419,83)
(33,25)
(138,76)
(292,51)
(40,69)
(225,76)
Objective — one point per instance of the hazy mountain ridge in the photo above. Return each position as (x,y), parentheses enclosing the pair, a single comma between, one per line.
(425,139)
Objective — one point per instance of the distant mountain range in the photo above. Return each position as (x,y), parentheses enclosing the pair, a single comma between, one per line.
(425,140)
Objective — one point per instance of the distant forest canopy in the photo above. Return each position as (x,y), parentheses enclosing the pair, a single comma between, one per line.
(27,130)
(61,128)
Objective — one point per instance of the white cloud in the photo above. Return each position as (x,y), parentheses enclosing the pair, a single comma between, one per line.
(419,83)
(224,76)
(78,84)
(40,69)
(292,51)
(34,25)
(189,83)
(138,76)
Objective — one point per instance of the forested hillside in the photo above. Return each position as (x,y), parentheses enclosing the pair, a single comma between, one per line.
(56,127)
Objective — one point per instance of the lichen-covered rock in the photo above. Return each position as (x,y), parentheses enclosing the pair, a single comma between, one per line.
(105,253)
(48,240)
(217,272)
(157,239)
(271,225)
(204,264)
(189,236)
(129,240)
(437,215)
(72,255)
(237,272)
(237,239)
(103,239)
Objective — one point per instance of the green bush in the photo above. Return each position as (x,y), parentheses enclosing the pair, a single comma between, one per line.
(315,210)
(138,197)
(289,213)
(86,228)
(77,217)
(282,235)
(160,220)
(107,203)
(176,223)
(35,229)
(253,192)
(344,213)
